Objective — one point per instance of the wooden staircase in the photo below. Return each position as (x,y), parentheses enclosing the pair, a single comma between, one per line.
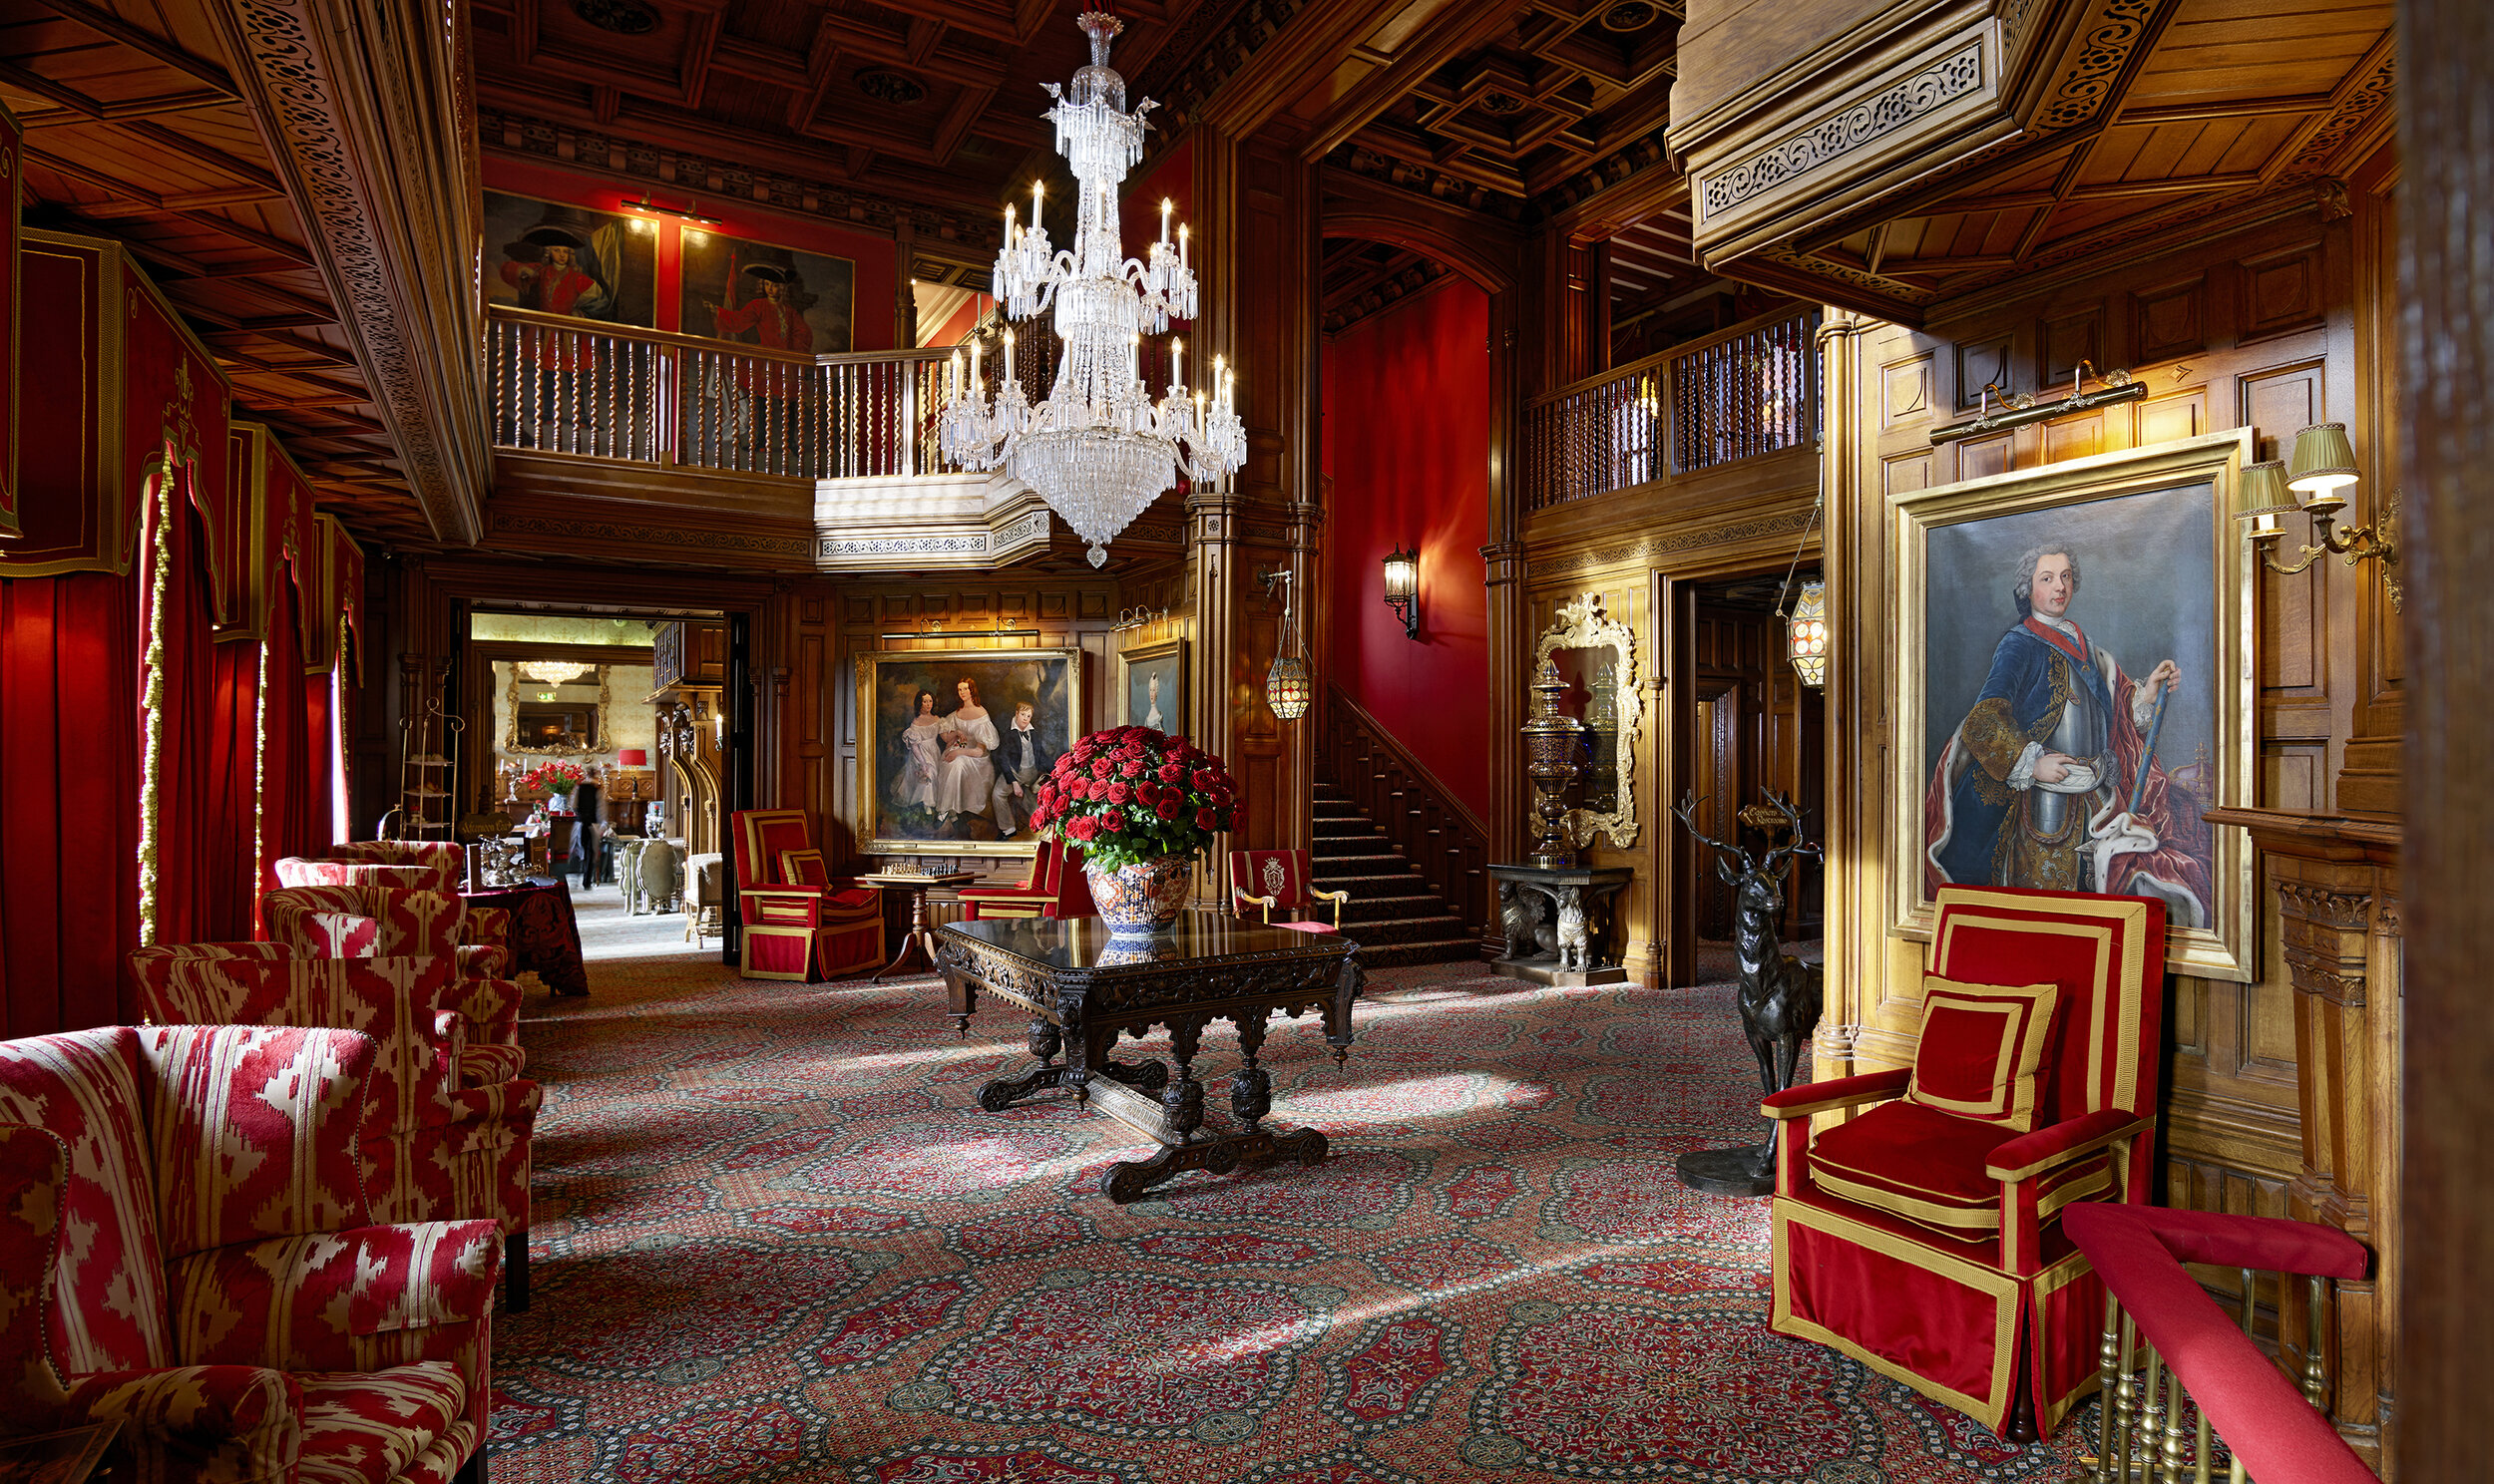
(1394,913)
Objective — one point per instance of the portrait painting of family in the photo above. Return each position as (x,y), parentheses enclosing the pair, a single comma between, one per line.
(954,745)
(2080,707)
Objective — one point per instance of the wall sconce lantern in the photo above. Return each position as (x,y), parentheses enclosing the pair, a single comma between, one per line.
(1288,688)
(1402,588)
(2320,470)
(1806,635)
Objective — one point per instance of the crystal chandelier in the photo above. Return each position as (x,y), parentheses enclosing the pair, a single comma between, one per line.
(1098,450)
(551,671)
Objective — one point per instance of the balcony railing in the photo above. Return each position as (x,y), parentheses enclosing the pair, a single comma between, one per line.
(601,391)
(2207,1390)
(1738,394)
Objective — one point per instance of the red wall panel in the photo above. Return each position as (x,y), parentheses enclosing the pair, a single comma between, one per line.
(1407,441)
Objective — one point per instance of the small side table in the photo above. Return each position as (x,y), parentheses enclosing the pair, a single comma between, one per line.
(919,939)
(1534,904)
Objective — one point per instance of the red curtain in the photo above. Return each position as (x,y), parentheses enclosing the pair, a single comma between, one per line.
(234,792)
(69,799)
(186,874)
(320,763)
(286,810)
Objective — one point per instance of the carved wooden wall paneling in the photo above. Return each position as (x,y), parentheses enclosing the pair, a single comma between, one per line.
(2261,329)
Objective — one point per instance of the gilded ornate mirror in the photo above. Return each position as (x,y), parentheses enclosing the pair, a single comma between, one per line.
(1597,655)
(557,707)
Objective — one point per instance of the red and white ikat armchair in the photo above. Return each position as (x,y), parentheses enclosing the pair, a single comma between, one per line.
(799,922)
(186,1248)
(443,864)
(436,1149)
(1055,887)
(1281,881)
(376,921)
(1922,1236)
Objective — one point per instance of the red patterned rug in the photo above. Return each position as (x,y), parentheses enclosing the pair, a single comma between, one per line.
(777,1240)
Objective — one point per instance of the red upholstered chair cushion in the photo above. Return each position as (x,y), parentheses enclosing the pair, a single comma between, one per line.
(803,867)
(1982,1047)
(1927,1166)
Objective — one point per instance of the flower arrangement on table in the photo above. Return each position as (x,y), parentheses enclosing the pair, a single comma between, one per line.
(556,777)
(1141,805)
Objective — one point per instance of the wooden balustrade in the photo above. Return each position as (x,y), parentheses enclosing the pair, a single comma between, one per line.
(1441,837)
(1746,391)
(601,391)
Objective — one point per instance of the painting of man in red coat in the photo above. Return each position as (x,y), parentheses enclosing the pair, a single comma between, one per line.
(772,316)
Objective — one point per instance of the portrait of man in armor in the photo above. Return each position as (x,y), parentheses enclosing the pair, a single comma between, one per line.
(2059,768)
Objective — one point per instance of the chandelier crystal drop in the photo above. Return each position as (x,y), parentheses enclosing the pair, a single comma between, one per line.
(551,671)
(1099,448)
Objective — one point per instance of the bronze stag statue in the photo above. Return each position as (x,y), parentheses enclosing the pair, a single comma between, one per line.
(1779,997)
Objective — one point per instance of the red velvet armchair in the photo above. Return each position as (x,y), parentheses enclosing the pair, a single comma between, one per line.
(1921,1237)
(436,1149)
(195,1258)
(1055,887)
(799,922)
(1288,888)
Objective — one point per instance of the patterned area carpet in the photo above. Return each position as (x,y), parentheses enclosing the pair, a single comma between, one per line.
(777,1240)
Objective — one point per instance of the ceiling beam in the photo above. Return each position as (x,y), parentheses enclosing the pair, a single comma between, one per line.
(1450,34)
(97,19)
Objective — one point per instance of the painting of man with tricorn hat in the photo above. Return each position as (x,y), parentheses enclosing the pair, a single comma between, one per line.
(760,294)
(568,260)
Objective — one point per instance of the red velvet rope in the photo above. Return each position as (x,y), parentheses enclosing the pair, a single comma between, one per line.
(2139,1250)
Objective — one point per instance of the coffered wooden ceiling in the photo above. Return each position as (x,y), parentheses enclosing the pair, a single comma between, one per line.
(931,105)
(2162,113)
(1512,99)
(135,131)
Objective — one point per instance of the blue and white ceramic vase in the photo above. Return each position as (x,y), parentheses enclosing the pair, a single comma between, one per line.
(1143,899)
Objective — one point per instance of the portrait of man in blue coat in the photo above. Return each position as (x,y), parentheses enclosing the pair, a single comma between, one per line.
(2040,783)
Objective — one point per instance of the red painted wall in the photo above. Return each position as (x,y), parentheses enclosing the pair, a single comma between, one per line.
(1407,441)
(871,316)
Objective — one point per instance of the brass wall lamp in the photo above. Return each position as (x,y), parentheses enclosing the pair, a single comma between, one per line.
(2320,468)
(1402,588)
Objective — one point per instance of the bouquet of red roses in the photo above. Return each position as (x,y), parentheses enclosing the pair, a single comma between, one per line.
(556,777)
(1131,794)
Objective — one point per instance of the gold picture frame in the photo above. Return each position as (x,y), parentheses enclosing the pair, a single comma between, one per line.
(904,810)
(1138,665)
(2143,523)
(1614,716)
(515,697)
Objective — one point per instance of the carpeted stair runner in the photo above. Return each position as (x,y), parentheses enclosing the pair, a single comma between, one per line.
(1394,913)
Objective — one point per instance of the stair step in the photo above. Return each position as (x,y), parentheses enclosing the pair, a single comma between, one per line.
(1364,908)
(1394,913)
(1355,828)
(1373,887)
(1406,930)
(1355,844)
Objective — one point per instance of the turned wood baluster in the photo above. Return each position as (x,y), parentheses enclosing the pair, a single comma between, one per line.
(2170,1465)
(2109,1370)
(1182,1101)
(1251,1087)
(2124,1405)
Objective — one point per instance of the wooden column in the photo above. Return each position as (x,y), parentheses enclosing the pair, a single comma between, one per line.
(2446,545)
(2338,884)
(1255,204)
(1855,720)
(1510,634)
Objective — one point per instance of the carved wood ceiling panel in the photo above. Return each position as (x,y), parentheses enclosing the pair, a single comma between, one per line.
(2206,110)
(134,130)
(915,104)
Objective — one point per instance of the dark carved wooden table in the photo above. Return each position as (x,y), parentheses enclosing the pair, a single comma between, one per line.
(1083,989)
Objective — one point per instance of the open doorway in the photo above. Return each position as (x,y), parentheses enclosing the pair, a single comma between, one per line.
(1743,726)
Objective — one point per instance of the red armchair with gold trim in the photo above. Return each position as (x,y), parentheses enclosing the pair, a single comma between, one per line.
(188,1254)
(1289,888)
(1921,1237)
(1055,887)
(806,926)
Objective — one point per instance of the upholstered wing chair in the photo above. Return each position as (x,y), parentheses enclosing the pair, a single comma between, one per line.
(1054,888)
(439,1145)
(1281,881)
(805,926)
(480,928)
(1921,1237)
(185,1249)
(369,921)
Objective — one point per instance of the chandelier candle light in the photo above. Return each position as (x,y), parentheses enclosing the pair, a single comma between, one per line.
(1099,448)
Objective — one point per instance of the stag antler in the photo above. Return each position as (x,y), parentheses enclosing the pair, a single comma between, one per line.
(1795,845)
(1686,807)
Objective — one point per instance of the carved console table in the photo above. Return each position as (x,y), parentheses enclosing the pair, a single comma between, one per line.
(1557,922)
(2338,884)
(1081,988)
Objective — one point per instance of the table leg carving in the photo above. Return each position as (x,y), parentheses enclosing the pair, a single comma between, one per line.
(1182,1101)
(1251,1087)
(1338,1010)
(1045,1041)
(1127,1182)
